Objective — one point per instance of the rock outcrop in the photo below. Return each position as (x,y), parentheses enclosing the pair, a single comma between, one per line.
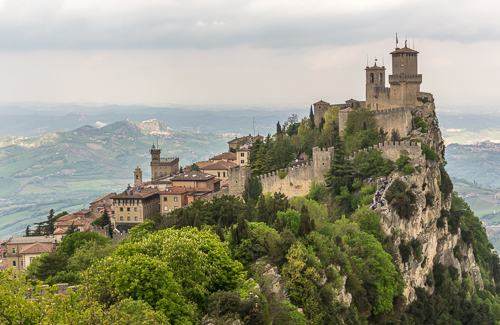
(437,243)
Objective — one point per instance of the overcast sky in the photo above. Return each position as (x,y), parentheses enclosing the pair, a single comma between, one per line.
(258,52)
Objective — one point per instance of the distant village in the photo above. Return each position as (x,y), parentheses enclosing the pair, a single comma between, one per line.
(170,188)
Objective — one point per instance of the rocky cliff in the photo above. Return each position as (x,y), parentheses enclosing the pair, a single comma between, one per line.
(437,243)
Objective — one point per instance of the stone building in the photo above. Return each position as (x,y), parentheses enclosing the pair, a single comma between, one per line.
(219,169)
(195,179)
(15,257)
(161,167)
(173,198)
(135,205)
(237,142)
(390,106)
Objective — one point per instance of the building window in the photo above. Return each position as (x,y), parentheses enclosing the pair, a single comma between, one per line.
(31,259)
(243,154)
(223,174)
(121,209)
(136,218)
(128,218)
(135,209)
(380,77)
(156,175)
(175,198)
(165,208)
(242,161)
(128,209)
(218,174)
(164,199)
(13,250)
(13,263)
(136,176)
(121,218)
(161,174)
(371,78)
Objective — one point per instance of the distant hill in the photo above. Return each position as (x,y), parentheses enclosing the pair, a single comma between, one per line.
(67,170)
(479,162)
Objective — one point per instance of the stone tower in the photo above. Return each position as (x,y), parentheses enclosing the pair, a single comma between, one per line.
(377,95)
(155,161)
(162,167)
(322,160)
(137,176)
(405,80)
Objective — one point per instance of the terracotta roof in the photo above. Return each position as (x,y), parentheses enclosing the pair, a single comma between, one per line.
(404,50)
(75,222)
(37,248)
(321,102)
(103,198)
(225,155)
(242,149)
(69,216)
(221,165)
(193,176)
(174,190)
(59,231)
(30,240)
(137,194)
(83,211)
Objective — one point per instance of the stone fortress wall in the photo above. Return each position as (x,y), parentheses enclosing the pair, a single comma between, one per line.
(296,182)
(399,119)
(393,149)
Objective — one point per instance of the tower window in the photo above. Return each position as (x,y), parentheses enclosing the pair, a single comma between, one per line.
(380,77)
(371,78)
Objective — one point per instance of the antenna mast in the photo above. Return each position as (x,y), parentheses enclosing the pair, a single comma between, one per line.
(157,147)
(254,126)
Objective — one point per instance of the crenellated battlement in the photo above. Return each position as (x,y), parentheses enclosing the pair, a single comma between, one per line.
(393,149)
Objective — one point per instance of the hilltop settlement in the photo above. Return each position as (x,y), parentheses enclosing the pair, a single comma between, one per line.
(345,217)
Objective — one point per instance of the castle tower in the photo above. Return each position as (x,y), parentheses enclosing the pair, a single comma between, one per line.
(322,160)
(405,80)
(155,161)
(162,167)
(137,176)
(377,95)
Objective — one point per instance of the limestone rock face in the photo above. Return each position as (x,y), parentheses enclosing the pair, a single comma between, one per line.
(344,297)
(437,243)
(274,281)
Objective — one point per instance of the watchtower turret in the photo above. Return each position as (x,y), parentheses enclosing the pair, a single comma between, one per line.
(377,95)
(405,80)
(137,176)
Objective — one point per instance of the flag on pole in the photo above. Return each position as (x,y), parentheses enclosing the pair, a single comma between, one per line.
(396,39)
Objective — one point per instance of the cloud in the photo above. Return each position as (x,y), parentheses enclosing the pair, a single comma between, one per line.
(132,24)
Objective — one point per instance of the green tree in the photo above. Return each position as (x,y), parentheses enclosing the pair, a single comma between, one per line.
(197,260)
(195,167)
(290,219)
(340,173)
(27,232)
(72,242)
(311,118)
(49,228)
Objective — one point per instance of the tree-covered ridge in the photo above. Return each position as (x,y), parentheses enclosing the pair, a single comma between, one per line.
(328,251)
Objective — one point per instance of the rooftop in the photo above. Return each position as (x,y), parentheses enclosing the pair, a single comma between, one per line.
(225,155)
(137,193)
(221,165)
(322,102)
(174,190)
(193,176)
(404,50)
(59,231)
(37,248)
(103,198)
(30,240)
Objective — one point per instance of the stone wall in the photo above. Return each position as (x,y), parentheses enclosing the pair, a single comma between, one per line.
(393,149)
(224,191)
(116,236)
(296,182)
(399,119)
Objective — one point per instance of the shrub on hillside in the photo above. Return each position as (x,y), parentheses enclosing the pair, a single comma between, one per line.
(401,199)
(420,123)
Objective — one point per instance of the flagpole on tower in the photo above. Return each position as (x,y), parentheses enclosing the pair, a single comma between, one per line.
(396,40)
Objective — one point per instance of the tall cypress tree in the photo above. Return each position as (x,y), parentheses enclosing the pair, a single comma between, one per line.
(49,229)
(279,132)
(340,172)
(311,117)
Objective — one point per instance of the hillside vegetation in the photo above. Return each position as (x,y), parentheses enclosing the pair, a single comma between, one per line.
(67,170)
